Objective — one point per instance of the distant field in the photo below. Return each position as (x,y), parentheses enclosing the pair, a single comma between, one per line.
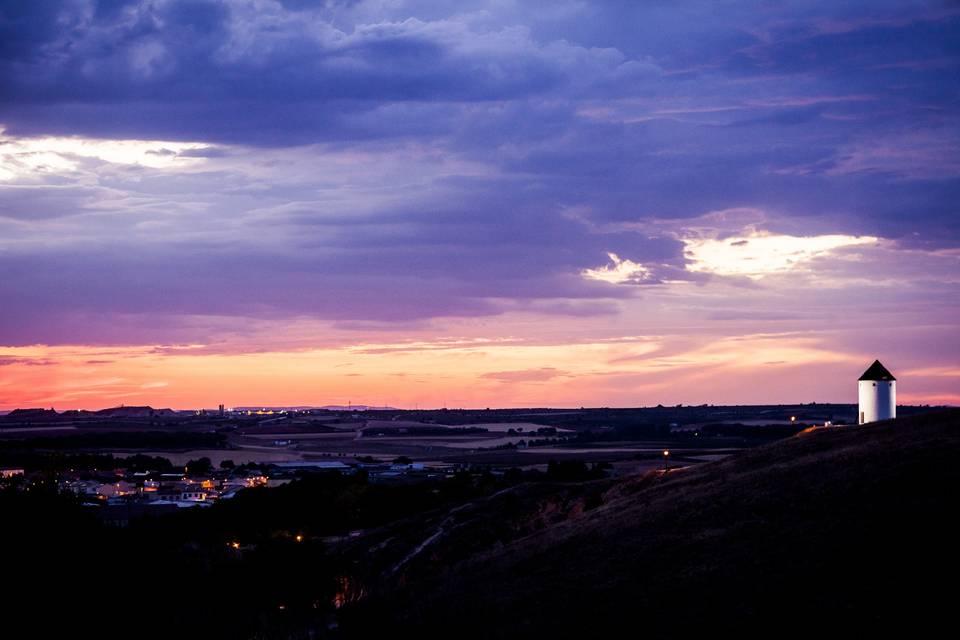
(516,426)
(216,456)
(624,437)
(20,430)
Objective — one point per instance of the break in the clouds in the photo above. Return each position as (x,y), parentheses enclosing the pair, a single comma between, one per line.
(265,176)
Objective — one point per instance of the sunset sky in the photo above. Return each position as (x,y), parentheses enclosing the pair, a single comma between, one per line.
(477,203)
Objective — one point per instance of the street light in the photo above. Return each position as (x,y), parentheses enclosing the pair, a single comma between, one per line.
(666,460)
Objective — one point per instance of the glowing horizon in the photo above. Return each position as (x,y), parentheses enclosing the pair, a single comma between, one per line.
(452,373)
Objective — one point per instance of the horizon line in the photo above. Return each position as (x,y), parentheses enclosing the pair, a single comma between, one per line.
(366,407)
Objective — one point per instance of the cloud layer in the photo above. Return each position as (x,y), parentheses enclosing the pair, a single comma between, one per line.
(270,176)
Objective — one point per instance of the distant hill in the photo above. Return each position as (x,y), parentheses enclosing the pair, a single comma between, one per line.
(134,412)
(843,531)
(355,407)
(329,407)
(31,415)
(48,415)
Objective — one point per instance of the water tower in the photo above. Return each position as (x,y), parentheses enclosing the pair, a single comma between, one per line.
(877,394)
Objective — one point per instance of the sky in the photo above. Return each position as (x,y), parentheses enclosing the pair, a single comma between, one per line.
(477,203)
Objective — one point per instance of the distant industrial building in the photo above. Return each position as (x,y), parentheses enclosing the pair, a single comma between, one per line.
(877,394)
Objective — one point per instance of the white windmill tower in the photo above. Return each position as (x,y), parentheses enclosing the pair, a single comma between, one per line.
(877,394)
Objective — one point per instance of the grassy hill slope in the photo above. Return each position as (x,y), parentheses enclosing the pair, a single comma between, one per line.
(835,531)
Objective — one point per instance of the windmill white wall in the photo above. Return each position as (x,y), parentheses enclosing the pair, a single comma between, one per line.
(878,400)
(877,394)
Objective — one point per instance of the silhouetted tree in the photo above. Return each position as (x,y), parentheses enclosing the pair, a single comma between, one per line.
(199,466)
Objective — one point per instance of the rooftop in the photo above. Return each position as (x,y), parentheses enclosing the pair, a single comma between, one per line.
(877,371)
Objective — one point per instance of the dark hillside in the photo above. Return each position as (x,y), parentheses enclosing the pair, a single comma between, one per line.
(846,530)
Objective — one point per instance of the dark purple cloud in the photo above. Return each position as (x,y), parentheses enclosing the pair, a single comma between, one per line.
(372,164)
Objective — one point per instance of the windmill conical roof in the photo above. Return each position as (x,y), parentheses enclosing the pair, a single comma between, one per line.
(877,371)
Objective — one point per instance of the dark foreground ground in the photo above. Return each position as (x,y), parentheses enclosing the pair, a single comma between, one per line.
(837,532)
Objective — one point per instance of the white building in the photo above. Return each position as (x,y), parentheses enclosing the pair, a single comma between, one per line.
(877,394)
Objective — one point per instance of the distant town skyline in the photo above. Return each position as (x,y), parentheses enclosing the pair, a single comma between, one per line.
(477,203)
